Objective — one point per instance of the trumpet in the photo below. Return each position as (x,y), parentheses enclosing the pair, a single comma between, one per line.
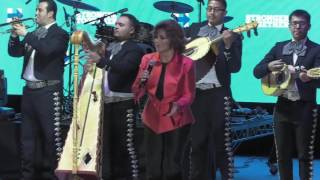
(10,30)
(16,21)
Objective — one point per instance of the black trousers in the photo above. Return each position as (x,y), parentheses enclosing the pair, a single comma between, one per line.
(211,135)
(120,160)
(165,152)
(40,132)
(273,154)
(294,128)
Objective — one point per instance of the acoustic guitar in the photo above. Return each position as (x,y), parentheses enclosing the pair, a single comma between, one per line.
(199,47)
(276,82)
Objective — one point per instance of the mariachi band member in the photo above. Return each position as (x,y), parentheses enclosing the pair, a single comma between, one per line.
(121,64)
(44,51)
(295,113)
(210,135)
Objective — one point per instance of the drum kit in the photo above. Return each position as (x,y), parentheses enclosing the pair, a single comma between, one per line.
(105,32)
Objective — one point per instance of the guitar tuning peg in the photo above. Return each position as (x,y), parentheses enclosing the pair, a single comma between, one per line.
(249,33)
(255,31)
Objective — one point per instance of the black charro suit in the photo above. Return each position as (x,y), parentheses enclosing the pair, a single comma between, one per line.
(119,153)
(123,67)
(50,52)
(41,107)
(210,135)
(294,121)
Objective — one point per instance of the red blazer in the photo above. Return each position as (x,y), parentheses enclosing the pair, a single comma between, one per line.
(179,87)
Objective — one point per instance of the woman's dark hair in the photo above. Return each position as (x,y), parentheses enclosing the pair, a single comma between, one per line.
(134,22)
(174,33)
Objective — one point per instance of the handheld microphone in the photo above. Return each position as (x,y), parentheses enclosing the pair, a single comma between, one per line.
(66,17)
(148,70)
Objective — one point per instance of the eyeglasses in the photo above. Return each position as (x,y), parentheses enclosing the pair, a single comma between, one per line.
(300,23)
(215,9)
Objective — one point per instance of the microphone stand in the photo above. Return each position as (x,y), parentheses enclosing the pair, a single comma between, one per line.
(100,19)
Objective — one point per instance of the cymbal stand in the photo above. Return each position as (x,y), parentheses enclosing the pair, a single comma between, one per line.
(200,8)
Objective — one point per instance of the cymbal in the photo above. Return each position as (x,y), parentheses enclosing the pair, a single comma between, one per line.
(227,19)
(173,7)
(79,5)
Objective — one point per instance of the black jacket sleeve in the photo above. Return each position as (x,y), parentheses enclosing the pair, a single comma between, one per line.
(261,69)
(15,47)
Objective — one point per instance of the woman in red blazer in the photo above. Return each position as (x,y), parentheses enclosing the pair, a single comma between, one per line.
(168,78)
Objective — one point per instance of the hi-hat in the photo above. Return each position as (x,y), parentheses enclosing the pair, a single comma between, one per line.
(79,5)
(227,19)
(173,7)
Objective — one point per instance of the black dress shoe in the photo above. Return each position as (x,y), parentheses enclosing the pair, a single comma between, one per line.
(273,168)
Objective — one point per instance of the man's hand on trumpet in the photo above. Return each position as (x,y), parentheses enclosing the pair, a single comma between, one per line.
(18,29)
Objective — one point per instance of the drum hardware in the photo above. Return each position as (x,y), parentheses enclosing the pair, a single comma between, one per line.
(107,15)
(173,7)
(78,5)
(201,3)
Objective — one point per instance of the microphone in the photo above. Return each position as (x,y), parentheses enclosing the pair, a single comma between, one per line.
(66,17)
(122,10)
(28,1)
(148,70)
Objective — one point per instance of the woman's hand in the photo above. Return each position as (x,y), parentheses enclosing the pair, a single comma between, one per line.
(144,77)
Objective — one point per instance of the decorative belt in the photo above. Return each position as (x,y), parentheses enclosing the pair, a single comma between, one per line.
(205,86)
(114,99)
(41,84)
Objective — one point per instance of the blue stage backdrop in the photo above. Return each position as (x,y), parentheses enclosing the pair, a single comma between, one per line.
(272,16)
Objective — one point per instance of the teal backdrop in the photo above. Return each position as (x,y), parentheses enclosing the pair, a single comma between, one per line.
(272,16)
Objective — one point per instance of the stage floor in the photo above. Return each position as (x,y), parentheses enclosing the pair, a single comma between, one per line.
(246,168)
(255,168)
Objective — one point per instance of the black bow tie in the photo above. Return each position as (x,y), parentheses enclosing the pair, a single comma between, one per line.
(294,47)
